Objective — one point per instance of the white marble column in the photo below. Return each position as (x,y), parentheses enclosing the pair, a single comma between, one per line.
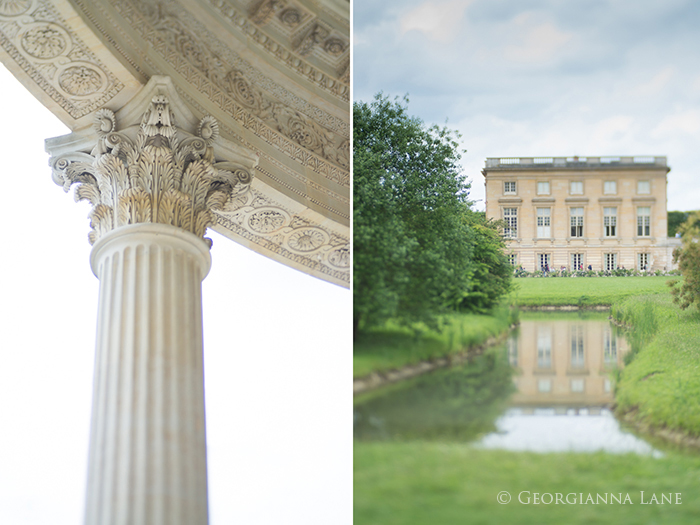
(147,463)
(153,185)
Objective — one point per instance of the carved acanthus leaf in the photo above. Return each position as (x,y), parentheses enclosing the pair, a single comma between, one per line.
(153,177)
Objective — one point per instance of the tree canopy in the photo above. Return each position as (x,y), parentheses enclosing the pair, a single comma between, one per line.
(418,248)
(687,292)
(675,219)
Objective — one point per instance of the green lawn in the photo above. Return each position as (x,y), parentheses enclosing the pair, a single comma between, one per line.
(417,482)
(661,384)
(421,483)
(392,346)
(583,291)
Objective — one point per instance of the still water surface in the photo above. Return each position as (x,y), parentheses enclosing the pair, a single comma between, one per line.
(549,388)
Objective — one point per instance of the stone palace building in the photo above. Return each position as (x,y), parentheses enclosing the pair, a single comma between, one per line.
(576,212)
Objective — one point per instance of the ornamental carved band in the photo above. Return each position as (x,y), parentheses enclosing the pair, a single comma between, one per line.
(152,177)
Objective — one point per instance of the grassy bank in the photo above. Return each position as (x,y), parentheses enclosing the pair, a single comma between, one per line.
(583,291)
(660,386)
(392,346)
(419,483)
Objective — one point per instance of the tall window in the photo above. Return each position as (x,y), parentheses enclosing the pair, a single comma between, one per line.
(543,188)
(643,221)
(543,259)
(577,261)
(513,351)
(610,222)
(642,261)
(643,187)
(577,222)
(544,230)
(577,360)
(544,347)
(510,215)
(610,261)
(609,347)
(610,187)
(509,188)
(513,259)
(576,188)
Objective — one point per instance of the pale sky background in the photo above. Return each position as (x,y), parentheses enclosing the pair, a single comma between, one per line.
(277,352)
(543,78)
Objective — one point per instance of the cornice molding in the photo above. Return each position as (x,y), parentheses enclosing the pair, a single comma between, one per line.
(320,142)
(37,38)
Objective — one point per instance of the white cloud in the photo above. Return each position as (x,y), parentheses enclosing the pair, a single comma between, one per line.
(438,20)
(534,43)
(658,82)
(684,122)
(611,130)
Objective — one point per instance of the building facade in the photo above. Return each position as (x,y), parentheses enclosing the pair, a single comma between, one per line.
(578,212)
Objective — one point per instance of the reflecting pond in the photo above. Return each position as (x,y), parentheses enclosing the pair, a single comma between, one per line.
(548,388)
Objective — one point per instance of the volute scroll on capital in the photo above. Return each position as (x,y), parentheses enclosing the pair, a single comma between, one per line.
(155,172)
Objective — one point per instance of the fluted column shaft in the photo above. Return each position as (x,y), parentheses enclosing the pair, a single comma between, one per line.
(147,462)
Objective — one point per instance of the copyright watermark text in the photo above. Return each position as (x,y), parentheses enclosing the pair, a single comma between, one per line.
(527,497)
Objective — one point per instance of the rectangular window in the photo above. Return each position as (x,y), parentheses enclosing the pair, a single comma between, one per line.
(610,222)
(513,259)
(544,348)
(510,215)
(576,188)
(642,261)
(610,261)
(513,351)
(643,187)
(643,221)
(577,222)
(609,348)
(544,230)
(610,187)
(509,188)
(577,360)
(543,260)
(543,188)
(577,261)
(577,386)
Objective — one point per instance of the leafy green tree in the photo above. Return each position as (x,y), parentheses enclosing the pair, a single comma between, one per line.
(687,292)
(675,219)
(411,248)
(491,271)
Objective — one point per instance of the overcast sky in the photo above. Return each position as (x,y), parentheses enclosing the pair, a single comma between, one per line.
(277,352)
(544,77)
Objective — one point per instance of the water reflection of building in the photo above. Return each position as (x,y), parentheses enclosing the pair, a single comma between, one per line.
(564,364)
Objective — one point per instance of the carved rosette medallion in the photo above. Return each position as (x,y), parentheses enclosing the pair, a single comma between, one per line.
(81,80)
(152,175)
(307,239)
(334,46)
(14,7)
(45,41)
(340,257)
(267,221)
(291,17)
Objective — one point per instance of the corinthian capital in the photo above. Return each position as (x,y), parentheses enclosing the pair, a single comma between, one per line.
(152,171)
